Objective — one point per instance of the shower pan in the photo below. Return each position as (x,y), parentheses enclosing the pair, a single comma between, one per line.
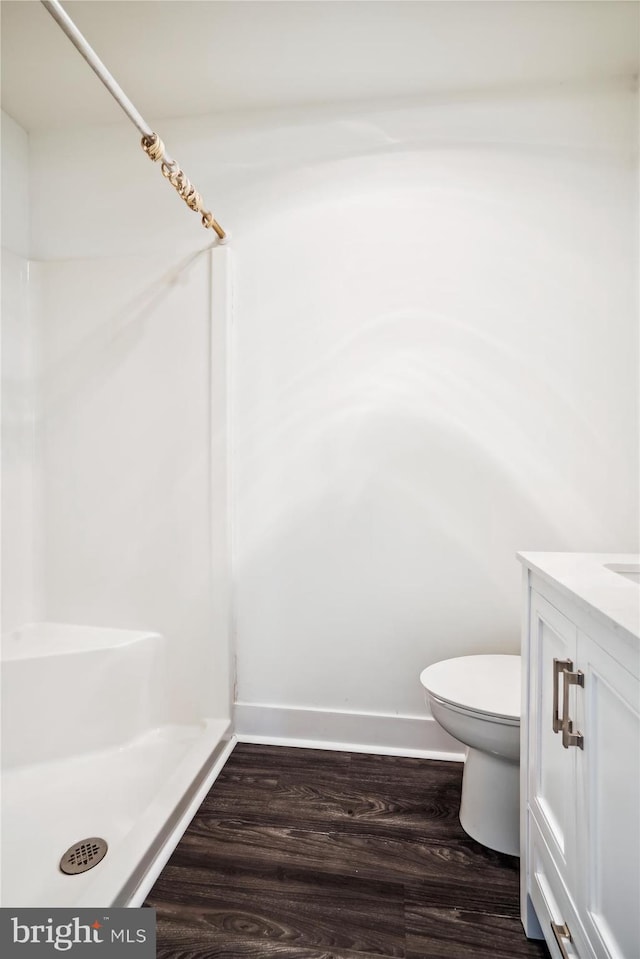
(90,756)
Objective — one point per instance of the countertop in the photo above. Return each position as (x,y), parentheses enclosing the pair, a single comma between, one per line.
(585,577)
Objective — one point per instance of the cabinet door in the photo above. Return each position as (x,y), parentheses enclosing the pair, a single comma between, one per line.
(608,825)
(552,792)
(555,910)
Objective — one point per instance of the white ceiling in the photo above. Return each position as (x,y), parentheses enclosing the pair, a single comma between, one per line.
(187,57)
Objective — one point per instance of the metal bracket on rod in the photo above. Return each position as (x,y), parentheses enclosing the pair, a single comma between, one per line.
(170,168)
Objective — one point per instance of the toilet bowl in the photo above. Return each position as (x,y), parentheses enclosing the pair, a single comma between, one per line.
(477,700)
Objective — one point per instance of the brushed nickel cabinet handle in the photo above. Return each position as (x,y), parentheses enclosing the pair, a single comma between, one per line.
(559,665)
(560,932)
(569,738)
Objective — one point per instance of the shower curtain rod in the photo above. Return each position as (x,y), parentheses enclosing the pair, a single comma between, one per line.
(151,142)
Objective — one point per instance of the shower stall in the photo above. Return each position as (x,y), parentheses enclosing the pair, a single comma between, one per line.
(116,667)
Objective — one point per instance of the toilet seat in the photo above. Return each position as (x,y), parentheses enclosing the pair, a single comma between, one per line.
(488,685)
(474,713)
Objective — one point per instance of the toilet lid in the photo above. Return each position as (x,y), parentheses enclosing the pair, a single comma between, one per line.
(484,684)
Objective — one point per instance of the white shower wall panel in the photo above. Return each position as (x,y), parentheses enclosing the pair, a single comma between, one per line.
(15,186)
(134,502)
(20,526)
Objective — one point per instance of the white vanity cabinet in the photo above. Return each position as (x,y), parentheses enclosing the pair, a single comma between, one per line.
(580,755)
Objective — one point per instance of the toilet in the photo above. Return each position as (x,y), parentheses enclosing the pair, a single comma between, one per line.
(477,700)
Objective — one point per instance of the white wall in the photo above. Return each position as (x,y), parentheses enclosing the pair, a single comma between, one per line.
(19,565)
(434,365)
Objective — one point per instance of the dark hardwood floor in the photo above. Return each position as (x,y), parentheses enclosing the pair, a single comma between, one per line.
(305,854)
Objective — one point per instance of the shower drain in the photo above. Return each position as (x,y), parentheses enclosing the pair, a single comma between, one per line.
(83,855)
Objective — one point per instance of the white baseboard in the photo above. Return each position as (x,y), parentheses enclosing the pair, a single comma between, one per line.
(351,732)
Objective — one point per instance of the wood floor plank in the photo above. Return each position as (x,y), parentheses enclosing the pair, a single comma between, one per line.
(362,853)
(357,785)
(286,757)
(352,800)
(193,944)
(256,879)
(295,911)
(476,897)
(241,795)
(404,769)
(454,934)
(327,805)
